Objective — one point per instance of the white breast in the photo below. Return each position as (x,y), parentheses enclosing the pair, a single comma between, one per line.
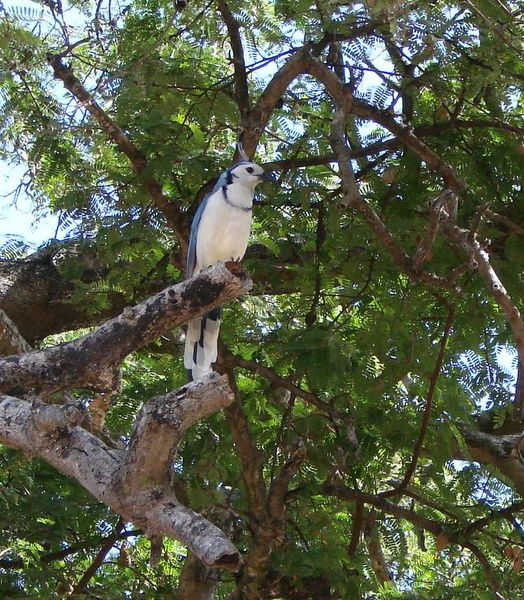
(223,232)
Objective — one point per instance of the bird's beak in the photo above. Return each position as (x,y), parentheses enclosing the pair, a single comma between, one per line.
(267,177)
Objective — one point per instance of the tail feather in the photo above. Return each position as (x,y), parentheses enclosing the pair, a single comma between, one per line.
(201,346)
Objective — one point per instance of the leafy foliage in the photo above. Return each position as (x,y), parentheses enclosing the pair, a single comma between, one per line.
(335,317)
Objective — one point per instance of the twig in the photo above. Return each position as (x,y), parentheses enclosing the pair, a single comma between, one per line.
(90,572)
(356,530)
(493,516)
(427,411)
(490,575)
(118,136)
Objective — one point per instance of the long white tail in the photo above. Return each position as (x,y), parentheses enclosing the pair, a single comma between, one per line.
(201,347)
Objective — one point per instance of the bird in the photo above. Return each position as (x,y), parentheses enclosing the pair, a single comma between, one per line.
(219,232)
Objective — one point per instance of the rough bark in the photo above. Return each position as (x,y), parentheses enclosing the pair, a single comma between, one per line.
(197,581)
(35,294)
(93,360)
(119,478)
(502,451)
(11,342)
(130,480)
(31,293)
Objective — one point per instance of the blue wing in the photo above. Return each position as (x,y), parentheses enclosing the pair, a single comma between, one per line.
(191,252)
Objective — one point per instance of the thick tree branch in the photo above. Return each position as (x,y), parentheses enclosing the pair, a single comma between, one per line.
(254,123)
(167,418)
(30,293)
(53,433)
(267,508)
(93,360)
(505,452)
(356,528)
(196,581)
(268,532)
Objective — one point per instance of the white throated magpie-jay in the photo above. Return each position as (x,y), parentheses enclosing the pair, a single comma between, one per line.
(219,232)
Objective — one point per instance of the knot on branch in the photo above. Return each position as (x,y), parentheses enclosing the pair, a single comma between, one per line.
(49,418)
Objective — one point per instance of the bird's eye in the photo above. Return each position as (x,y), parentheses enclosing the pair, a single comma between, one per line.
(250,169)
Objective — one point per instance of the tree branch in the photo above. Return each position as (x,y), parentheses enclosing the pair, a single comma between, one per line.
(466,240)
(404,132)
(248,453)
(376,555)
(354,199)
(167,418)
(196,581)
(232,360)
(239,63)
(117,135)
(93,360)
(427,411)
(90,572)
(11,342)
(356,528)
(52,433)
(505,452)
